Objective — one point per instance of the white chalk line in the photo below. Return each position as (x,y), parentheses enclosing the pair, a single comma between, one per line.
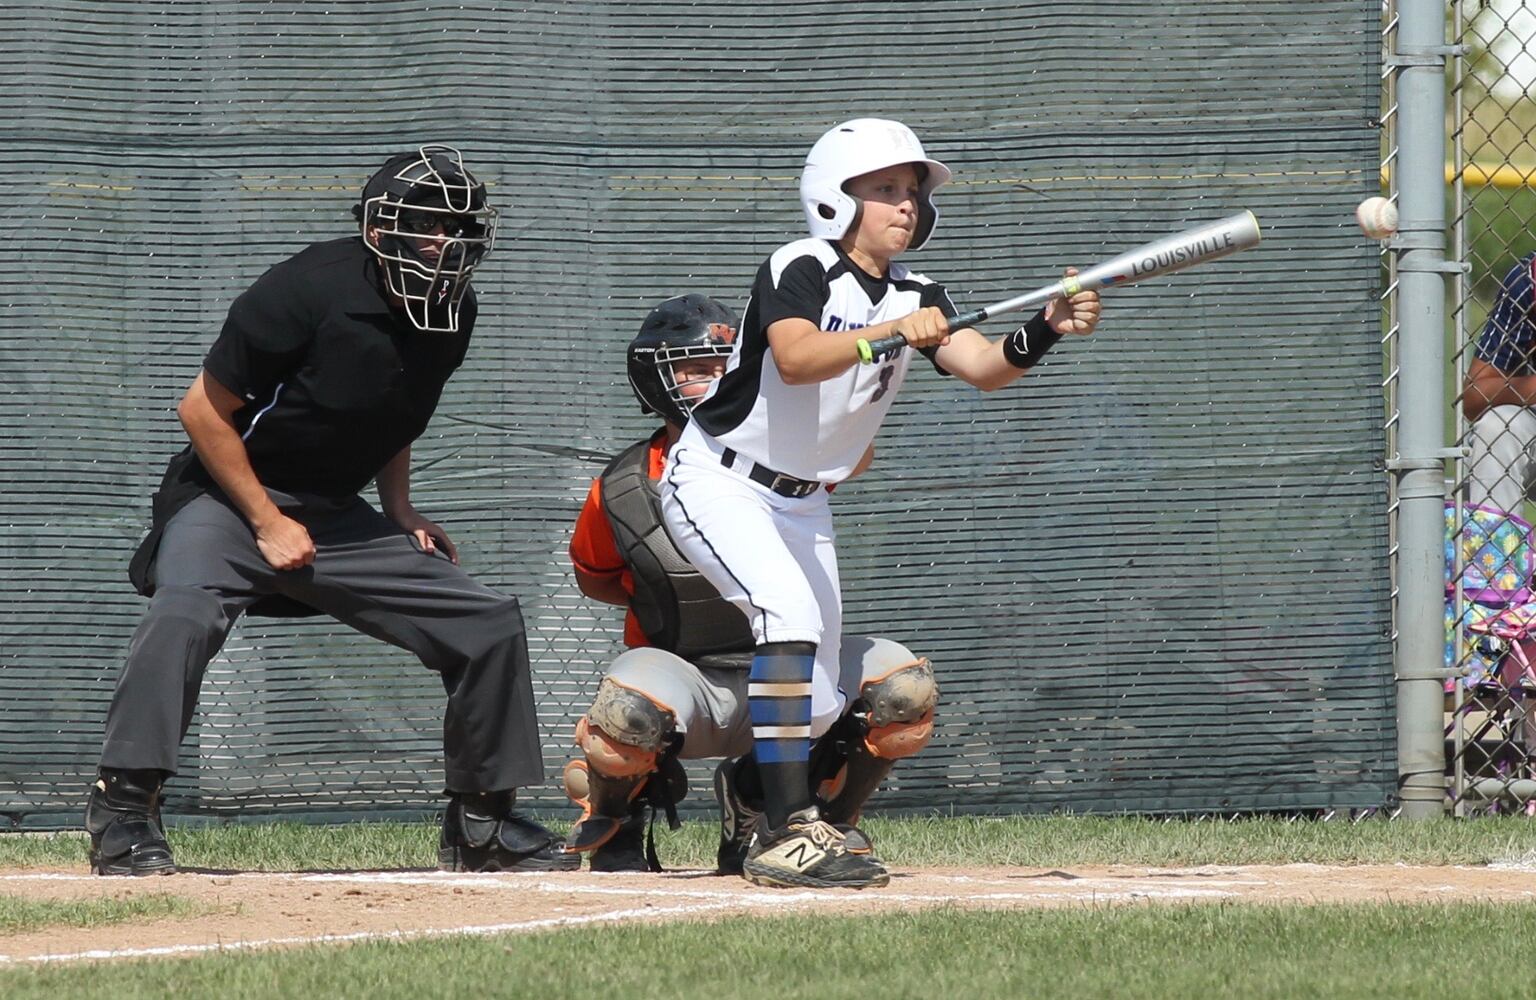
(701,901)
(1077,888)
(1048,889)
(482,930)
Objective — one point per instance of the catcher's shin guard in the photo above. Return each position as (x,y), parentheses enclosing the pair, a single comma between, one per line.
(606,803)
(807,852)
(625,850)
(615,811)
(122,816)
(482,832)
(842,797)
(623,738)
(739,814)
(891,719)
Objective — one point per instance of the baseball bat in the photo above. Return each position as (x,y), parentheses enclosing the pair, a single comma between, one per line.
(1164,256)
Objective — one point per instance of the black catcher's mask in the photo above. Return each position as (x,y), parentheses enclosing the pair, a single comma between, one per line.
(680,329)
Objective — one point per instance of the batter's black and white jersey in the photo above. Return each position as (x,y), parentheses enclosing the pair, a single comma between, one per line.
(816,431)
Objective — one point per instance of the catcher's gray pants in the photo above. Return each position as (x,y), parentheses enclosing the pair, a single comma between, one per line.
(366,574)
(710,703)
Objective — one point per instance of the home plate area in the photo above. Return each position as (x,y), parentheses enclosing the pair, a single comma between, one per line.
(253,910)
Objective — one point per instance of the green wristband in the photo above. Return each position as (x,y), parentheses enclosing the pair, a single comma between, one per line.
(865,354)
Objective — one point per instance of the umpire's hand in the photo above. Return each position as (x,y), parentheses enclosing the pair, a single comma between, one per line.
(429,536)
(285,543)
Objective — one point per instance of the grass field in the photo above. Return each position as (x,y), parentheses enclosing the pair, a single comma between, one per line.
(18,914)
(1035,841)
(1089,949)
(1404,952)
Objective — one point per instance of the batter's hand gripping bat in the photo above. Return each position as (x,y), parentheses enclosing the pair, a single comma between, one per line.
(1164,256)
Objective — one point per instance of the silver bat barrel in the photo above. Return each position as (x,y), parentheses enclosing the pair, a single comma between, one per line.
(1164,256)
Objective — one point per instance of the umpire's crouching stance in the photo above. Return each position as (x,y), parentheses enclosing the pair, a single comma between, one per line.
(327,368)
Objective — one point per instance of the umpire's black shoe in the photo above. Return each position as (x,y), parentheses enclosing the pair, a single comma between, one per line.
(483,833)
(123,818)
(625,850)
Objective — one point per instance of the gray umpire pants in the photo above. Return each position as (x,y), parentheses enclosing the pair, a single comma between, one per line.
(366,574)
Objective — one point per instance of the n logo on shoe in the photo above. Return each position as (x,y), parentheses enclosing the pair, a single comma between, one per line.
(798,854)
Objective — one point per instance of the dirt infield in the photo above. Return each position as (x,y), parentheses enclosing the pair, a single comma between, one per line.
(264,910)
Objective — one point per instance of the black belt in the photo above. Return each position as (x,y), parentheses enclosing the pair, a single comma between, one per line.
(784,486)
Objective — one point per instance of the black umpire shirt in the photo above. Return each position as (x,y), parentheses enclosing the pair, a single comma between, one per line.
(336,381)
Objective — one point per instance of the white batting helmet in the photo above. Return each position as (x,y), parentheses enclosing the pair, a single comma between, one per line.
(853,148)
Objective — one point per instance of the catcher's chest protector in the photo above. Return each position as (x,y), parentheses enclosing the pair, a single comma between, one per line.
(678,610)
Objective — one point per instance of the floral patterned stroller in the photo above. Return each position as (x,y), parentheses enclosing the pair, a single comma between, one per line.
(1492,670)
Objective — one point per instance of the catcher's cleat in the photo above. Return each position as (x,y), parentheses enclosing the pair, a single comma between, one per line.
(738,818)
(122,816)
(625,850)
(483,833)
(808,853)
(856,840)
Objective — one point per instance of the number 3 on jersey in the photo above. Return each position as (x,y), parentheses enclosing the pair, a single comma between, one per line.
(886,374)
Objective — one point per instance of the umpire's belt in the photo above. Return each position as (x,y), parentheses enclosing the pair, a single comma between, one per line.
(784,486)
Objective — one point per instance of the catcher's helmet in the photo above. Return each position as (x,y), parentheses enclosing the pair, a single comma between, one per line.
(854,148)
(433,227)
(689,326)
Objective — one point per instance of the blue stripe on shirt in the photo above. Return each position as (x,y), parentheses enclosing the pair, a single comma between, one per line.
(1509,335)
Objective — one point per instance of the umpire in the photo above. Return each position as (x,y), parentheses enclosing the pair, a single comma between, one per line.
(326,370)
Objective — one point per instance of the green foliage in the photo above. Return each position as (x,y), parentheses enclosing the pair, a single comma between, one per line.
(1496,125)
(1499,233)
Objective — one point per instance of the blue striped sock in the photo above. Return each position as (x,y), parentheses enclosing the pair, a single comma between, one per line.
(779,701)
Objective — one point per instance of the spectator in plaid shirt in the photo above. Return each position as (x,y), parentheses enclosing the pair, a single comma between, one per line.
(1499,394)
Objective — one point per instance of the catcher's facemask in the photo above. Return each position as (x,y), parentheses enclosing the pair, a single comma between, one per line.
(681,329)
(719,345)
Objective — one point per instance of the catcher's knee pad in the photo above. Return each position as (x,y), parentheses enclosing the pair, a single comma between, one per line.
(624,730)
(609,755)
(901,704)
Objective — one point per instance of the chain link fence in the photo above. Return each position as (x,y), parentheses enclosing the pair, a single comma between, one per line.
(1152,579)
(1490,614)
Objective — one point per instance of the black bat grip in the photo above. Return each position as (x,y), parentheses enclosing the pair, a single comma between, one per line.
(964,320)
(887,347)
(883,348)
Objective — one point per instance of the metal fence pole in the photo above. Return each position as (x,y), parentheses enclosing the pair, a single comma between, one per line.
(1419,466)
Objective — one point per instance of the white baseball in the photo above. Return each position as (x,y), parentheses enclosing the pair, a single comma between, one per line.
(1377,217)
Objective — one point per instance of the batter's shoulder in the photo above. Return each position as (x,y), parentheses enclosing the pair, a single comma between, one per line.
(810,250)
(900,272)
